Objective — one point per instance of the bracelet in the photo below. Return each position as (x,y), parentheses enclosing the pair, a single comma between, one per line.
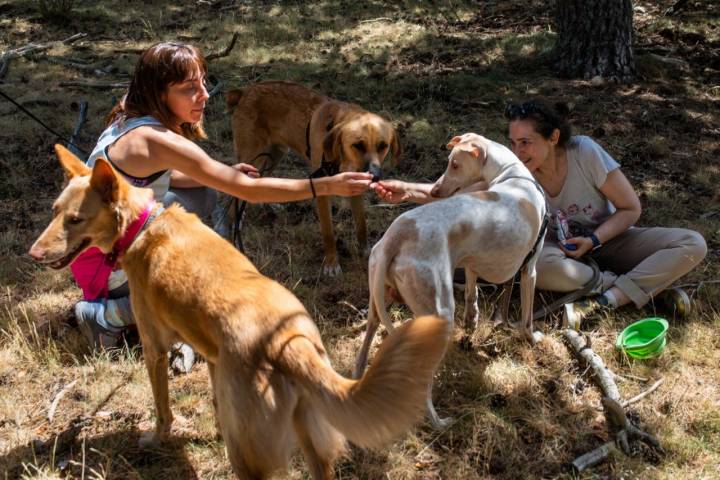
(312,187)
(595,240)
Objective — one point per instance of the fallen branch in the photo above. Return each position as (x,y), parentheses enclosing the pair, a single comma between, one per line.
(97,86)
(22,51)
(56,400)
(379,19)
(216,89)
(73,38)
(624,431)
(98,68)
(642,395)
(604,376)
(37,47)
(593,457)
(226,52)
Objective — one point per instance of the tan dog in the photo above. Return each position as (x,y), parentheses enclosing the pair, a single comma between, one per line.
(271,117)
(272,379)
(490,233)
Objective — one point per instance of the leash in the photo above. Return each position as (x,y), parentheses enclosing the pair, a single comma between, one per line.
(30,114)
(326,169)
(574,295)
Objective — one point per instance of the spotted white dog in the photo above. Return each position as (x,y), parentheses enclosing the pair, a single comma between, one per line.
(492,233)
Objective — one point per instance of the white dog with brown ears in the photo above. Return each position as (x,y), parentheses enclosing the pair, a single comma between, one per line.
(491,233)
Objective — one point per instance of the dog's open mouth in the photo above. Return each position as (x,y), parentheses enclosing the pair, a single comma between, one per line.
(64,261)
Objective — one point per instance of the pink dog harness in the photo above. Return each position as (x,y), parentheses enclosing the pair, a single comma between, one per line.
(92,268)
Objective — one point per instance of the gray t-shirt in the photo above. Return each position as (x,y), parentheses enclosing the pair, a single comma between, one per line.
(580,198)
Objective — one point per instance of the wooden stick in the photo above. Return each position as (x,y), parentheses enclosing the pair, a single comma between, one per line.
(225,52)
(642,395)
(74,38)
(56,400)
(604,376)
(97,86)
(593,457)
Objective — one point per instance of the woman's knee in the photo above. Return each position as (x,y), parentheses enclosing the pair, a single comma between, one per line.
(695,243)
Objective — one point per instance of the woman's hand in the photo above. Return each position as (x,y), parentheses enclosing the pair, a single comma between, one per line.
(347,184)
(247,169)
(583,245)
(392,191)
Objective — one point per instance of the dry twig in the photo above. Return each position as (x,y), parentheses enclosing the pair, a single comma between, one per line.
(642,395)
(58,397)
(97,86)
(226,52)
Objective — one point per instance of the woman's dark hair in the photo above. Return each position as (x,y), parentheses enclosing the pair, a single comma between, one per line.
(159,66)
(545,117)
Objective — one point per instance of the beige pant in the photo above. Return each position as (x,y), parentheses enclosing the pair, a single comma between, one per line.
(640,262)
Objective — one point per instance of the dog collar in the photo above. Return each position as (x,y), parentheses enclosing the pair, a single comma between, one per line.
(130,233)
(92,268)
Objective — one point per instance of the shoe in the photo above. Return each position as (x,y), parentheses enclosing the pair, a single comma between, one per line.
(675,301)
(182,357)
(98,337)
(577,311)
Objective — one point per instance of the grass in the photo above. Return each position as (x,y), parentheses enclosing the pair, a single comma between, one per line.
(436,69)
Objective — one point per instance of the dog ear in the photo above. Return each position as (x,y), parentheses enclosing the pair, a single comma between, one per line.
(451,144)
(477,151)
(395,148)
(104,180)
(332,144)
(231,99)
(72,165)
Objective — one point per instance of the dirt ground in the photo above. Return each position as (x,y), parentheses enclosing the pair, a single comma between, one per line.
(435,69)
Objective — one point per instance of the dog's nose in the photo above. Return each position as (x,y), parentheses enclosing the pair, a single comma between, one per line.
(37,253)
(376,172)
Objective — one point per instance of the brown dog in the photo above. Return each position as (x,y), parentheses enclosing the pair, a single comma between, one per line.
(271,117)
(272,379)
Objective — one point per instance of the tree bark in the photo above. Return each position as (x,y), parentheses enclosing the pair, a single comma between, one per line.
(594,38)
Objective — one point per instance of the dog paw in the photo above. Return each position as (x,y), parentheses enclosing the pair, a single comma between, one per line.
(442,423)
(536,337)
(331,269)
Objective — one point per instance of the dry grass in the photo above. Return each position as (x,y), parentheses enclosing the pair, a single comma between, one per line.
(436,69)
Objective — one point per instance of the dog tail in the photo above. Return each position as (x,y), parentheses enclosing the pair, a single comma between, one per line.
(391,395)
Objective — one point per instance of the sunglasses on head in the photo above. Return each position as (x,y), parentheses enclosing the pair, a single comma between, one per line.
(513,111)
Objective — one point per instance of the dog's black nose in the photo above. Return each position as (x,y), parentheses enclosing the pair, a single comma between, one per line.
(376,172)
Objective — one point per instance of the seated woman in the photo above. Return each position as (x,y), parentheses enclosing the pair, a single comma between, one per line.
(586,186)
(150,140)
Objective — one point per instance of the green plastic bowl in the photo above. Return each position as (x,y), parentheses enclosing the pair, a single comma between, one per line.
(644,338)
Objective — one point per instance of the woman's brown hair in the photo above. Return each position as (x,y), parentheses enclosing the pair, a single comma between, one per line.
(159,66)
(545,117)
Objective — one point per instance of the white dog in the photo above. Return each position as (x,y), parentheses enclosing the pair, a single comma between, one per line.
(491,233)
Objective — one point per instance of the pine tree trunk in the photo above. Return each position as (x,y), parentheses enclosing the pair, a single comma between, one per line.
(595,38)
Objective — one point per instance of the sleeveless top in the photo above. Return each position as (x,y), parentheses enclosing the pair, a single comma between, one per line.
(93,270)
(159,182)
